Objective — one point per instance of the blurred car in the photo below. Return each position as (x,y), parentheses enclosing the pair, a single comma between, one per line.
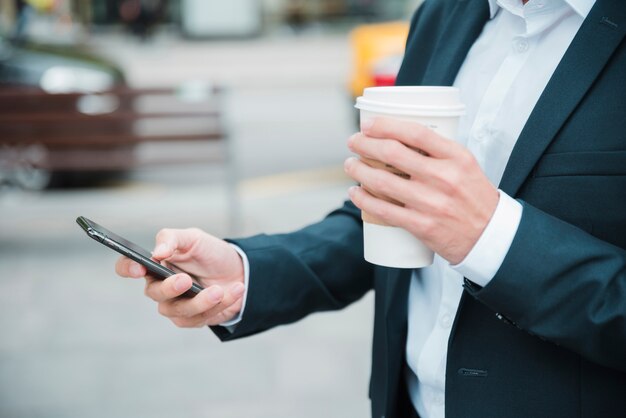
(55,68)
(377,51)
(44,91)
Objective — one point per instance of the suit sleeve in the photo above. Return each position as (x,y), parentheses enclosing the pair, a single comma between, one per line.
(563,285)
(318,268)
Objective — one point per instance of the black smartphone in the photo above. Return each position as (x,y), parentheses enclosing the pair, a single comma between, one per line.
(132,251)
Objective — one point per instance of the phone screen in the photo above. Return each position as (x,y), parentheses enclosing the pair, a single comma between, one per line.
(131,250)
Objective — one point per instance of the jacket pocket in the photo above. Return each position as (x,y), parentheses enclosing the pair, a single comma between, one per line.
(603,163)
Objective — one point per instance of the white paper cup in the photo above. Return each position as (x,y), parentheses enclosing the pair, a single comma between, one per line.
(437,107)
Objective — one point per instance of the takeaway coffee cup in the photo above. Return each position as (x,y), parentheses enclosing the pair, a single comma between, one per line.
(437,107)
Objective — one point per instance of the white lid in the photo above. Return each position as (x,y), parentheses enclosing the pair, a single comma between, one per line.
(441,101)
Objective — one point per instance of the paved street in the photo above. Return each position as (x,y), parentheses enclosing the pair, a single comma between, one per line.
(78,342)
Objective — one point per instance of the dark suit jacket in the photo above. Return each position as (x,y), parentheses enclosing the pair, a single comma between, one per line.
(547,337)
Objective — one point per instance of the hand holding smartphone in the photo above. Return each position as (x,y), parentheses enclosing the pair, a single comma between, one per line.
(132,251)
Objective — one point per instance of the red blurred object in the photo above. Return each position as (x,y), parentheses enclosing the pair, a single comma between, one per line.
(381,80)
(386,70)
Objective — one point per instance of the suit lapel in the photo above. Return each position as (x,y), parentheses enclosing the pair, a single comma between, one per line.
(589,52)
(396,320)
(460,32)
(462,29)
(396,294)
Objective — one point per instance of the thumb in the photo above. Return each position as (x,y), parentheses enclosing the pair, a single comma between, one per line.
(169,241)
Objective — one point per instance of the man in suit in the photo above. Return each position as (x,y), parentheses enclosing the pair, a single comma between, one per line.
(523,313)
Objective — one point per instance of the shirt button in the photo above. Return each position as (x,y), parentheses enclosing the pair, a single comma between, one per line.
(439,400)
(481,134)
(446,320)
(520,45)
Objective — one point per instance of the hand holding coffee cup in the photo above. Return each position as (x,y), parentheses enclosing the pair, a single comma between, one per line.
(437,108)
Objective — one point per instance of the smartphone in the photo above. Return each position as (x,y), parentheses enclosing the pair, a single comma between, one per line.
(132,251)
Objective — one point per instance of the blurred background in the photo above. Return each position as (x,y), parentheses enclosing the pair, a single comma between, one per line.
(231,116)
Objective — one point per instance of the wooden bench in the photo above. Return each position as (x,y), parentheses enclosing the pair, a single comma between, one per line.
(99,132)
(104,132)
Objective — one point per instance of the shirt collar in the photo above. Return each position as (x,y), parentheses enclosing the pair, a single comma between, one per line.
(493,8)
(581,7)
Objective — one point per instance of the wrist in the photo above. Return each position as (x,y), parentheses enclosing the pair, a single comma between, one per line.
(245,276)
(483,216)
(484,260)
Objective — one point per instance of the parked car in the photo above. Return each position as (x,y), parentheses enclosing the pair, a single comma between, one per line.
(44,92)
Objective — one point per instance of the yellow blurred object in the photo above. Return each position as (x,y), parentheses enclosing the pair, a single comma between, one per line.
(370,44)
(42,5)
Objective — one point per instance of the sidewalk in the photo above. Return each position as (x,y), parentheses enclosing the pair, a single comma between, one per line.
(78,342)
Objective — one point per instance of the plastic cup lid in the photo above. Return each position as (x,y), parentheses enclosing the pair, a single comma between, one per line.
(440,101)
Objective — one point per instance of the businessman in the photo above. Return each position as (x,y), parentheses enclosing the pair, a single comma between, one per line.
(523,313)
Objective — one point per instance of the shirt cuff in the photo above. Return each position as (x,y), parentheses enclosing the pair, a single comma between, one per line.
(484,260)
(231,325)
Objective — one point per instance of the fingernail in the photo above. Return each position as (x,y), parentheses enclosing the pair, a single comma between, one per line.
(215,294)
(238,290)
(181,284)
(135,269)
(348,163)
(351,141)
(352,190)
(366,124)
(160,249)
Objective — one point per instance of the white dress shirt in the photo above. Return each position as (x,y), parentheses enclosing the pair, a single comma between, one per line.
(503,75)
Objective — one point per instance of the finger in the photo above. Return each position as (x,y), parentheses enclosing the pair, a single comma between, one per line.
(224,312)
(169,241)
(126,267)
(186,308)
(214,315)
(394,153)
(412,134)
(383,183)
(197,321)
(170,288)
(387,212)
